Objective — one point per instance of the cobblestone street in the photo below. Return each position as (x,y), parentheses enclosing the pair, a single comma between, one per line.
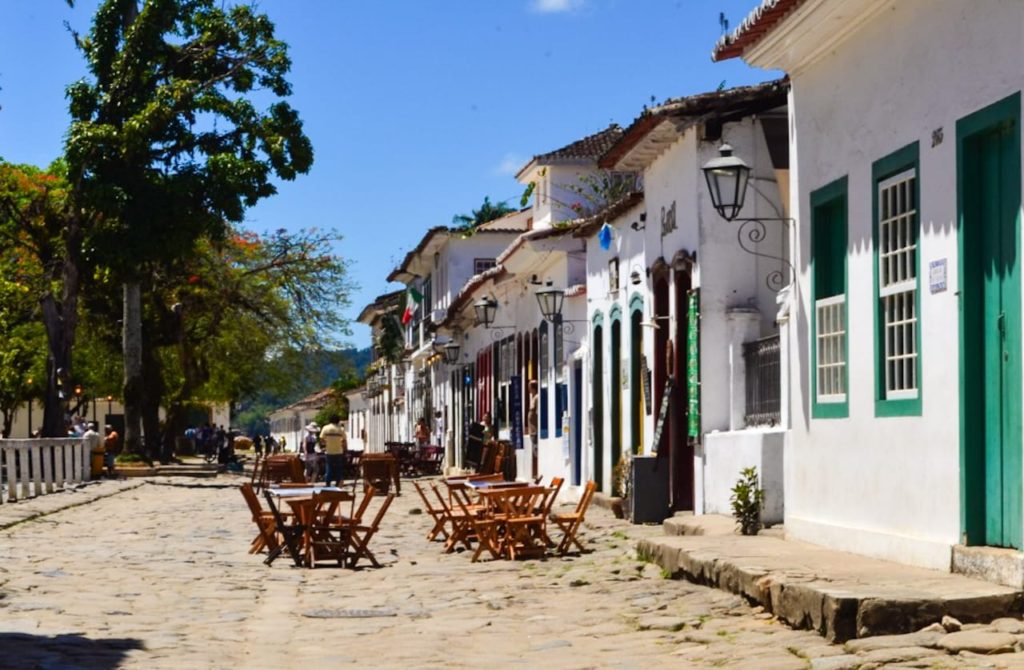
(158,577)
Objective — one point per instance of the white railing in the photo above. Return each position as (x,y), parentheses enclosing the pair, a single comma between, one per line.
(36,467)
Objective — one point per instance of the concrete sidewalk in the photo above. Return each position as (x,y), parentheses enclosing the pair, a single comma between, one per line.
(840,595)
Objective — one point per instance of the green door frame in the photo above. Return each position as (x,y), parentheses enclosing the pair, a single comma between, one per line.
(985,475)
(636,352)
(615,388)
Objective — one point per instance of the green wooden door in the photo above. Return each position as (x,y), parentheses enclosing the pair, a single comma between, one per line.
(597,406)
(989,170)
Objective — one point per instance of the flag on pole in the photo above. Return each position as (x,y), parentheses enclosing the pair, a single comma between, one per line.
(412,302)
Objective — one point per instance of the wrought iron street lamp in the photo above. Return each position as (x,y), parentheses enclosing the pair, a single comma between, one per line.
(451,352)
(550,300)
(728,177)
(485,309)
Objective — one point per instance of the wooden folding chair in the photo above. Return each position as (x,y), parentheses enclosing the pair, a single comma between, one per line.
(264,520)
(437,514)
(459,522)
(570,522)
(327,532)
(360,536)
(547,502)
(523,523)
(483,525)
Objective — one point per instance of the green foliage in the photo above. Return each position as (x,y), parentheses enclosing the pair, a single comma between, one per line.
(596,190)
(747,498)
(388,340)
(165,144)
(488,211)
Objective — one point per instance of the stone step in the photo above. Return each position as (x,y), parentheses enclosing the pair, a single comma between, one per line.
(688,523)
(202,471)
(839,595)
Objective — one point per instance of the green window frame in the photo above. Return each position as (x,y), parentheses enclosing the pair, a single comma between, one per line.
(896,216)
(829,321)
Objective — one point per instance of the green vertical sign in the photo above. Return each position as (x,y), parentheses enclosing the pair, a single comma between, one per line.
(693,362)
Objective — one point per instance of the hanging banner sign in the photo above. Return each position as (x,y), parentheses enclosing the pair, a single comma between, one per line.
(516,391)
(693,363)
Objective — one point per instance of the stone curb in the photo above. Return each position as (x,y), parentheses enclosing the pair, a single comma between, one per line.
(837,610)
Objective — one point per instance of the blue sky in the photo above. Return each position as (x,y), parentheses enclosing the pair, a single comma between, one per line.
(417,109)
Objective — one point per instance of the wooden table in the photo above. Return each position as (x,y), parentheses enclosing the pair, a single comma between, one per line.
(294,534)
(520,526)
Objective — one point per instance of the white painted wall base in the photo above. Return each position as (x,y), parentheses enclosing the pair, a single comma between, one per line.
(920,551)
(726,453)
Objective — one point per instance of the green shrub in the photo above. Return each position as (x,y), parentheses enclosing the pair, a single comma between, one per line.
(747,497)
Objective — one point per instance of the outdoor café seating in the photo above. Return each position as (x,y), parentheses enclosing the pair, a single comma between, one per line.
(380,471)
(505,519)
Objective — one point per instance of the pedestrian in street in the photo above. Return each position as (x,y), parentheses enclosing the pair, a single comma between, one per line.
(422,433)
(335,445)
(531,418)
(439,433)
(110,444)
(308,451)
(257,445)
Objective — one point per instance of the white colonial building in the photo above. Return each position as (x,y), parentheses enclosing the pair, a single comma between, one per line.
(677,307)
(905,331)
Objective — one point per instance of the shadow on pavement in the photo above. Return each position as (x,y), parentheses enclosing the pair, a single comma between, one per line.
(22,650)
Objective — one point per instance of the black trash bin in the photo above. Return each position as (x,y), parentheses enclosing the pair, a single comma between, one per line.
(649,489)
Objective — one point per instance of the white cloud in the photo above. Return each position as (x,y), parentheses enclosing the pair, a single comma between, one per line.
(509,165)
(554,6)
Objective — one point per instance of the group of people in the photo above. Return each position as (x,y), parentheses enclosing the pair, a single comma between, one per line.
(327,444)
(423,434)
(110,441)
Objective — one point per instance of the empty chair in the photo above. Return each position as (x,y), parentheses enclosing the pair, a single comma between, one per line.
(360,535)
(264,520)
(570,522)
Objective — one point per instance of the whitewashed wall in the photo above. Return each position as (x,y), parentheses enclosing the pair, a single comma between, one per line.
(889,487)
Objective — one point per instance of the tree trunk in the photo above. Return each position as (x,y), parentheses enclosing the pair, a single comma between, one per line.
(134,387)
(151,401)
(61,322)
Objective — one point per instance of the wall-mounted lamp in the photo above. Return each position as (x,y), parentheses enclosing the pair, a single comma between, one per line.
(727,177)
(485,308)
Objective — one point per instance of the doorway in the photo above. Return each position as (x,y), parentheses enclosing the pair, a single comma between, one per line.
(989,201)
(680,448)
(636,383)
(615,395)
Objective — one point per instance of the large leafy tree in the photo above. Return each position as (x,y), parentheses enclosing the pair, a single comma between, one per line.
(42,238)
(167,146)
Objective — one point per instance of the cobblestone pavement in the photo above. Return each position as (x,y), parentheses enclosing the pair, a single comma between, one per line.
(158,577)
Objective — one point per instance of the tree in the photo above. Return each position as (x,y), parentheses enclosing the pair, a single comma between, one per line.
(23,345)
(488,211)
(43,235)
(166,145)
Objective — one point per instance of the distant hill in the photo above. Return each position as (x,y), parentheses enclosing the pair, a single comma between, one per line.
(293,375)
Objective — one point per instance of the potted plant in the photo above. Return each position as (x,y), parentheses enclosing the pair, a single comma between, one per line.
(620,486)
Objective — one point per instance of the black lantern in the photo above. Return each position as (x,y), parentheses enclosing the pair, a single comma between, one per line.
(727,178)
(550,300)
(451,352)
(485,309)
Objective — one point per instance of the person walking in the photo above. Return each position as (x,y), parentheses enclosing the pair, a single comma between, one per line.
(110,444)
(308,451)
(422,433)
(335,445)
(531,426)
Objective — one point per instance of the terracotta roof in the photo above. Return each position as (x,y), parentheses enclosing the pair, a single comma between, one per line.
(685,111)
(590,148)
(315,400)
(757,24)
(475,282)
(382,303)
(490,227)
(539,234)
(592,224)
